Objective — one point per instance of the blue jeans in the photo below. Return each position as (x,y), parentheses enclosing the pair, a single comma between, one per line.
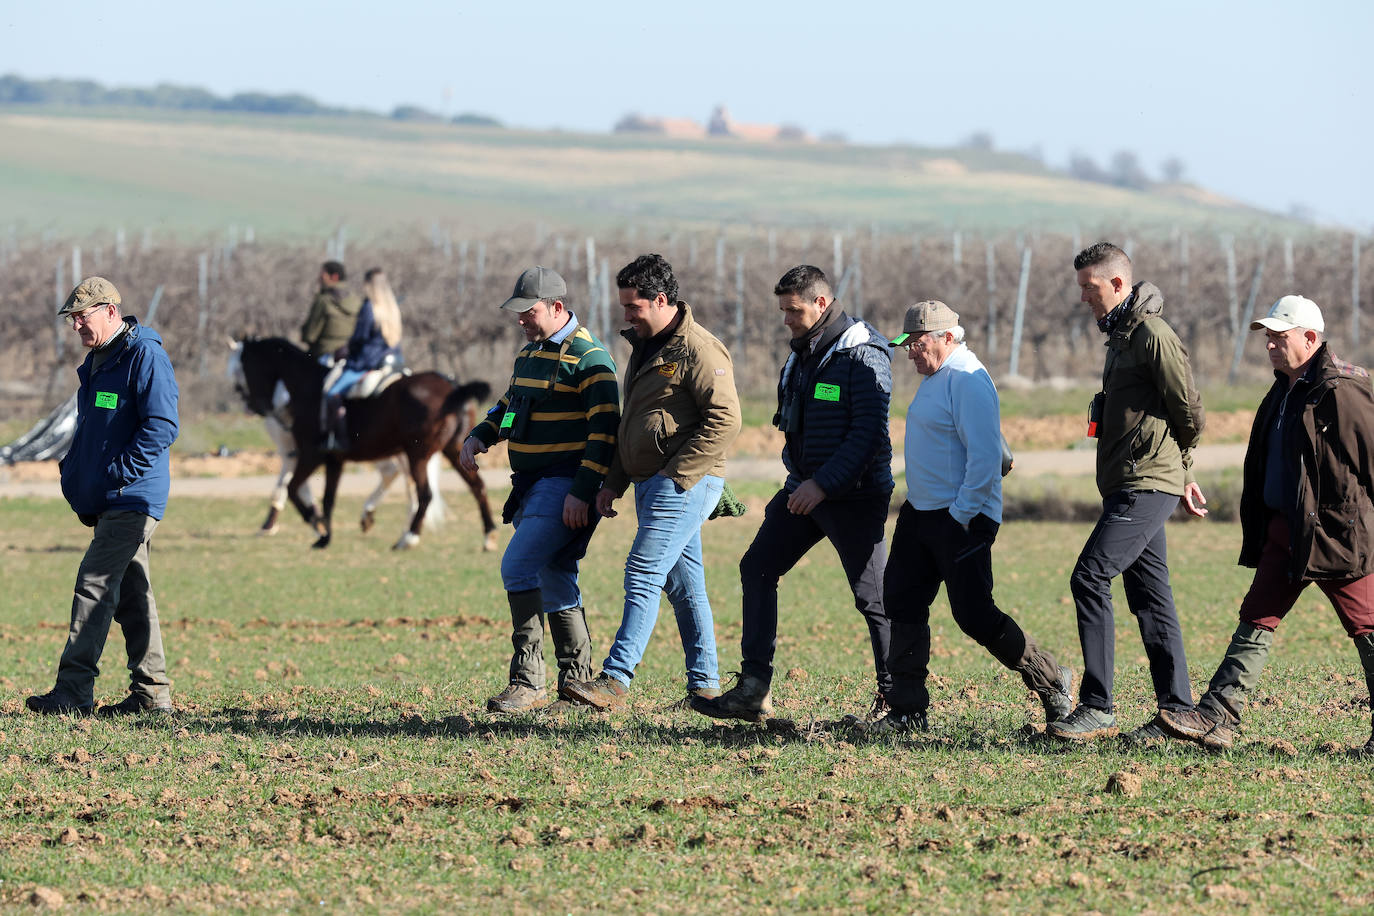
(344,382)
(666,558)
(543,553)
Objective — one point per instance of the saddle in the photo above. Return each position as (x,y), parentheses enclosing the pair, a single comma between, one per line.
(375,382)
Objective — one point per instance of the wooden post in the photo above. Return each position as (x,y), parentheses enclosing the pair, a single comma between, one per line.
(1014,365)
(76,266)
(203,292)
(591,270)
(604,327)
(1238,353)
(957,249)
(837,246)
(462,269)
(773,248)
(857,298)
(1354,290)
(479,272)
(120,249)
(1228,244)
(738,354)
(692,251)
(720,269)
(1288,264)
(61,289)
(992,301)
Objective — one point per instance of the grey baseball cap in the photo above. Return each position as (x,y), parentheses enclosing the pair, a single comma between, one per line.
(535,284)
(91,292)
(930,315)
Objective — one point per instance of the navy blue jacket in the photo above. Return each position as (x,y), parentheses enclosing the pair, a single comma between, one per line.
(367,349)
(126,421)
(833,408)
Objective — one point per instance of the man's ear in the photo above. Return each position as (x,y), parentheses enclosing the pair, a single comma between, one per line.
(822,303)
(661,300)
(1118,284)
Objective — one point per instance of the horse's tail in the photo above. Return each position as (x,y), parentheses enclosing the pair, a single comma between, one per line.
(462,401)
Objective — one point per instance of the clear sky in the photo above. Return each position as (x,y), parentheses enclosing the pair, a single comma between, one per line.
(1264,101)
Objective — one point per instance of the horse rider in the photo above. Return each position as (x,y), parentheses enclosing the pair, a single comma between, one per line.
(375,343)
(333,314)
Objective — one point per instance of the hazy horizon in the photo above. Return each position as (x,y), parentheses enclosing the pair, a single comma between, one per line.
(1254,99)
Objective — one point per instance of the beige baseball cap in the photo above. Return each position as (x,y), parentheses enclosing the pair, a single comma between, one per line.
(1291,312)
(930,315)
(91,292)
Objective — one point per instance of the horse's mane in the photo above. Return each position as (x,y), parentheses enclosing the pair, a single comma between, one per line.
(279,345)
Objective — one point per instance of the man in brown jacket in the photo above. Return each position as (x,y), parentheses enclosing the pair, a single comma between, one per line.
(1306,512)
(679,414)
(333,313)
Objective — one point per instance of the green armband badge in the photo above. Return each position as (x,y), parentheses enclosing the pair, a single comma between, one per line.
(508,420)
(826,392)
(107,399)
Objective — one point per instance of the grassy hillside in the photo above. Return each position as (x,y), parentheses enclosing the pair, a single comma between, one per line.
(77,171)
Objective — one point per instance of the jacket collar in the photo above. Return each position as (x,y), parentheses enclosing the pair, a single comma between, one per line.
(1145,301)
(676,341)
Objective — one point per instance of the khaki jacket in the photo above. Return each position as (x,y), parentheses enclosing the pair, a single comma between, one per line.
(679,410)
(1151,413)
(333,313)
(1329,423)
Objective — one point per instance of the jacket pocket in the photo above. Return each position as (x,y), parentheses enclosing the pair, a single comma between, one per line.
(1338,542)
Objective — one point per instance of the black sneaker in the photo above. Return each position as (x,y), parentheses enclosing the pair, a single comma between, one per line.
(898,723)
(1151,734)
(134,705)
(53,703)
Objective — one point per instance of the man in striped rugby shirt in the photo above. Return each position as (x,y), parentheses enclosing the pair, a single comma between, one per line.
(558,419)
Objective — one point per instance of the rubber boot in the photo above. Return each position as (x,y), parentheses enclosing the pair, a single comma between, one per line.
(1237,674)
(527,638)
(1365,646)
(572,646)
(749,700)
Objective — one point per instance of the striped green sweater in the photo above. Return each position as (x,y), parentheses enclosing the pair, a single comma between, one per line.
(574,413)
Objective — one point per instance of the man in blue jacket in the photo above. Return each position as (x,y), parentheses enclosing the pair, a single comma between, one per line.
(832,406)
(115,476)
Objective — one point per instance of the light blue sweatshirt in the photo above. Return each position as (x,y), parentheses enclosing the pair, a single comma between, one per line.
(954,441)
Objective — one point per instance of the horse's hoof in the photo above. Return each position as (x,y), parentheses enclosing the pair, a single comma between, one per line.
(321,544)
(407,541)
(266,531)
(367,521)
(491,541)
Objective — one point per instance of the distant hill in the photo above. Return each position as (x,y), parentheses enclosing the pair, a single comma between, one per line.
(77,166)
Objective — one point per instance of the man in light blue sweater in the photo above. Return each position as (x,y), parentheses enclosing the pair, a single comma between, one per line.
(948,522)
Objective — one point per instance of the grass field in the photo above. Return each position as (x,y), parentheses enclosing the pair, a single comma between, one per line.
(292,176)
(332,749)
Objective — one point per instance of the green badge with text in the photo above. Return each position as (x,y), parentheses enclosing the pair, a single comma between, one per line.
(508,420)
(107,399)
(826,392)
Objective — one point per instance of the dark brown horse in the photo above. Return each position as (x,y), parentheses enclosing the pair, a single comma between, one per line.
(417,416)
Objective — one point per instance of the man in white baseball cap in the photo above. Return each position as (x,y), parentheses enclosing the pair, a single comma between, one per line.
(1303,520)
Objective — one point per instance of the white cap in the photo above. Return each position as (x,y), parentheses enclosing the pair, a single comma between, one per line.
(1291,312)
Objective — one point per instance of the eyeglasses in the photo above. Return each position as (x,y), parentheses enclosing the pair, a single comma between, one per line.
(75,319)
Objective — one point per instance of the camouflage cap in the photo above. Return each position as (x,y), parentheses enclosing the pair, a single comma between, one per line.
(91,292)
(930,315)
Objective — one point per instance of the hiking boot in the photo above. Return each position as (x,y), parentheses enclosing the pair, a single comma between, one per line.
(1197,725)
(1058,700)
(135,705)
(1085,723)
(897,723)
(749,700)
(516,698)
(1151,734)
(53,703)
(876,711)
(603,692)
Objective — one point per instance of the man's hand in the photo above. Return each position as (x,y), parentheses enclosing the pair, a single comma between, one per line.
(472,447)
(805,498)
(1193,500)
(604,498)
(574,512)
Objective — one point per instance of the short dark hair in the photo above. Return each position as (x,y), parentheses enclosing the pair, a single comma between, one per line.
(649,275)
(335,269)
(1104,254)
(806,282)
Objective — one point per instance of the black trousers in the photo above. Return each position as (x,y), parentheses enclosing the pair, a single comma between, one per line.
(930,547)
(1129,542)
(855,528)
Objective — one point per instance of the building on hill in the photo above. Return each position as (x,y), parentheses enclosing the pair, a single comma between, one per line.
(680,128)
(722,125)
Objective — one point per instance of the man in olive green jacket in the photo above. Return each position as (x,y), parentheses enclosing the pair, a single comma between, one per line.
(333,313)
(1147,418)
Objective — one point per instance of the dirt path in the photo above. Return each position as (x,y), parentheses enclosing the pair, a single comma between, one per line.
(40,480)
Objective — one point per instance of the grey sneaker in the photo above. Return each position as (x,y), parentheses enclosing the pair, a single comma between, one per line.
(1085,723)
(898,723)
(1151,734)
(517,698)
(749,700)
(1058,700)
(1197,725)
